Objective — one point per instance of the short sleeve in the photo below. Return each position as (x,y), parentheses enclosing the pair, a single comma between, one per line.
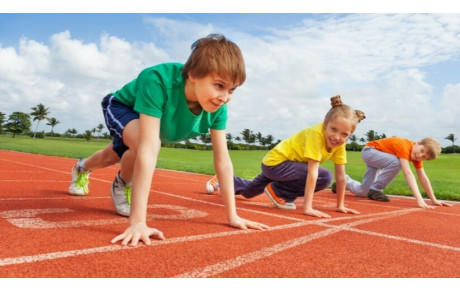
(150,94)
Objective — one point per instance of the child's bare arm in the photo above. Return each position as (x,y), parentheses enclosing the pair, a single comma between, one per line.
(224,170)
(148,144)
(312,176)
(341,182)
(412,183)
(426,184)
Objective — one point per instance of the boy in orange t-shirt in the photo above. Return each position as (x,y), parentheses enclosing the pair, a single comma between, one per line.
(386,157)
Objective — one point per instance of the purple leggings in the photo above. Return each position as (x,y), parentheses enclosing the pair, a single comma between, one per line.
(288,181)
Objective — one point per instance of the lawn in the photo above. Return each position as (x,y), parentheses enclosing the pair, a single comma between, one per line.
(443,172)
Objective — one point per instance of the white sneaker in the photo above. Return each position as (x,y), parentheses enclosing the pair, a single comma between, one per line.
(212,185)
(80,180)
(121,195)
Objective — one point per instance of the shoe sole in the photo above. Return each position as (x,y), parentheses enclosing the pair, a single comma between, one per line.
(277,204)
(380,200)
(209,188)
(76,193)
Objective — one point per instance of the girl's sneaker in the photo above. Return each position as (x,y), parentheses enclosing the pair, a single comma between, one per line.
(212,185)
(278,201)
(121,195)
(80,180)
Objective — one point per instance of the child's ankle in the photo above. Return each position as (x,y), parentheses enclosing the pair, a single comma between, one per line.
(81,166)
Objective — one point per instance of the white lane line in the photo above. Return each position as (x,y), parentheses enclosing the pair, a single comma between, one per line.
(111,248)
(74,253)
(215,269)
(239,261)
(55,255)
(409,240)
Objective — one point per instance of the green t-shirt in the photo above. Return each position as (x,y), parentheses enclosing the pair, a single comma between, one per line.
(159,91)
(308,143)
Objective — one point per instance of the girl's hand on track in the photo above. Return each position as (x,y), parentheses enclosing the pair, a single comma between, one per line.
(316,213)
(347,210)
(245,224)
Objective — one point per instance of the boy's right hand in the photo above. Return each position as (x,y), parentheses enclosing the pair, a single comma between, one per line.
(136,232)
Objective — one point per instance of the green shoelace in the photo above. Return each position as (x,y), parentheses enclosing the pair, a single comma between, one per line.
(82,182)
(128,194)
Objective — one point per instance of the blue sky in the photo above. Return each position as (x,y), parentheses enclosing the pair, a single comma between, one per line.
(400,69)
(129,26)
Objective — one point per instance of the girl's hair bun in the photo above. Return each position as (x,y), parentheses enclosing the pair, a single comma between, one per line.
(360,115)
(336,101)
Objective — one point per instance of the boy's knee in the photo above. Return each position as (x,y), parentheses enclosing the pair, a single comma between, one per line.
(395,165)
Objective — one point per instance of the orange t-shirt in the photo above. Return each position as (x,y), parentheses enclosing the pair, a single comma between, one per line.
(400,147)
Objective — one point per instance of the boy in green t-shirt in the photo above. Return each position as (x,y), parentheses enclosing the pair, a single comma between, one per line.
(167,103)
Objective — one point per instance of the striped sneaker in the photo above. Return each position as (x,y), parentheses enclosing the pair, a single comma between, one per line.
(121,195)
(278,201)
(80,180)
(212,185)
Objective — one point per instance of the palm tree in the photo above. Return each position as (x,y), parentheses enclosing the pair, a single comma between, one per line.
(40,112)
(248,136)
(452,138)
(229,137)
(353,143)
(260,138)
(205,138)
(372,135)
(269,140)
(99,128)
(2,121)
(52,122)
(88,135)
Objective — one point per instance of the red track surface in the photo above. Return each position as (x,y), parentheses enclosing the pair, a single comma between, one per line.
(47,233)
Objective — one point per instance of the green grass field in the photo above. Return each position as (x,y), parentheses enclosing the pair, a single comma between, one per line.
(443,172)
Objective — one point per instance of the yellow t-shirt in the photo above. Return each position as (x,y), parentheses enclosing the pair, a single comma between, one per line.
(306,144)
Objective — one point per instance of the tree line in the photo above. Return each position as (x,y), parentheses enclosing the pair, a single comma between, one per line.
(20,123)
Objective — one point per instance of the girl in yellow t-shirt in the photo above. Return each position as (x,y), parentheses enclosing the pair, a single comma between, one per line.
(291,169)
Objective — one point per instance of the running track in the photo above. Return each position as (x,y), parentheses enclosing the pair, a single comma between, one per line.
(46,233)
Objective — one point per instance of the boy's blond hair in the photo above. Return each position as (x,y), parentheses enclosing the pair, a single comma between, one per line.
(341,110)
(432,147)
(215,54)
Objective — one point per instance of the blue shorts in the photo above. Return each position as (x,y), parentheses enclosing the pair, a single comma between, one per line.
(117,115)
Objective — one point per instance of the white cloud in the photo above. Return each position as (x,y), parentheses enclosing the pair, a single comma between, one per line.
(70,76)
(376,62)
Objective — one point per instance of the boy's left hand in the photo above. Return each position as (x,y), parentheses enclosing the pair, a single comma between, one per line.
(347,210)
(245,224)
